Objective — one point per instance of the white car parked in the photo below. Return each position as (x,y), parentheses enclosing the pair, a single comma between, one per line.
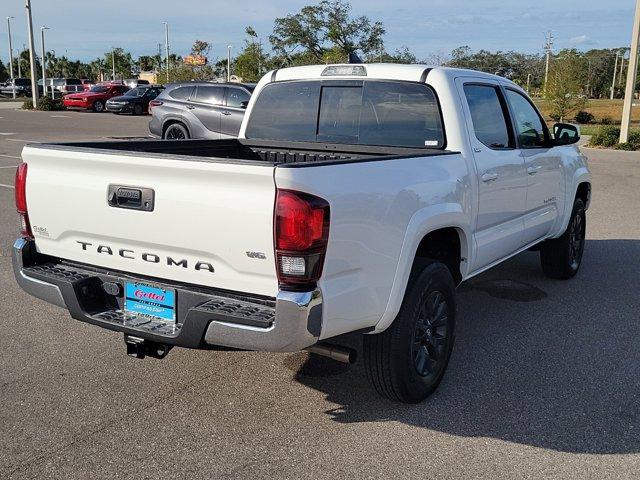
(356,199)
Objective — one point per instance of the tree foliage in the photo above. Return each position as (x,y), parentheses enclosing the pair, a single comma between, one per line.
(565,86)
(326,30)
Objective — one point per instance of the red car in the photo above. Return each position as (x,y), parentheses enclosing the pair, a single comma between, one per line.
(95,98)
(87,84)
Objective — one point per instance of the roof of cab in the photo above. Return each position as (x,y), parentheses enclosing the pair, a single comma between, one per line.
(389,71)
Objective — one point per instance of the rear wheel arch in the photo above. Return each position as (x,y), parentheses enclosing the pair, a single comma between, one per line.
(447,245)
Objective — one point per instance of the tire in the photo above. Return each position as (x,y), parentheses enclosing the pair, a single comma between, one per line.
(137,109)
(176,131)
(561,257)
(406,362)
(98,106)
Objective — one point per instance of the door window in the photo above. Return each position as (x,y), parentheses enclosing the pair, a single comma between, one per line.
(181,93)
(488,116)
(529,127)
(236,97)
(209,94)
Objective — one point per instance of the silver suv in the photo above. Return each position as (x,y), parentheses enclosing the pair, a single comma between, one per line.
(199,110)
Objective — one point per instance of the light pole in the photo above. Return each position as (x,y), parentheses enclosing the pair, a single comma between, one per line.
(528,82)
(166,44)
(53,96)
(19,68)
(229,47)
(632,72)
(32,55)
(11,55)
(44,64)
(615,72)
(113,64)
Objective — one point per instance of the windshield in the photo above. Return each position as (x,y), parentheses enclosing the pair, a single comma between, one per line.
(98,89)
(384,113)
(135,92)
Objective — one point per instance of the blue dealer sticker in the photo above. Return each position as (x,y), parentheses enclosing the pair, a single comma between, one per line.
(153,301)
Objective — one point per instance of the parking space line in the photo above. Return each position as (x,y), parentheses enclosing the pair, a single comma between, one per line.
(60,116)
(9,166)
(9,156)
(7,186)
(6,133)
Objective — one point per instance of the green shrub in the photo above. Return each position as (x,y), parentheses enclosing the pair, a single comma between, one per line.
(605,136)
(606,121)
(634,137)
(584,117)
(627,146)
(45,104)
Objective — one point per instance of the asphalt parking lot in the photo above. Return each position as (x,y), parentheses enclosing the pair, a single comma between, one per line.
(544,380)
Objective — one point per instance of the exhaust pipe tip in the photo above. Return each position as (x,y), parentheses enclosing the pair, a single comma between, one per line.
(335,352)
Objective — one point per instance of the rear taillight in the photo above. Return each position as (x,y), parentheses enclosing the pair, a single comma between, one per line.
(154,103)
(21,200)
(301,236)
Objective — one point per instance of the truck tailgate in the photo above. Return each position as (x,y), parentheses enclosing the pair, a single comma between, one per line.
(211,224)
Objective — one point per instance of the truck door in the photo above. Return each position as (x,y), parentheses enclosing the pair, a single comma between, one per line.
(545,178)
(501,175)
(208,108)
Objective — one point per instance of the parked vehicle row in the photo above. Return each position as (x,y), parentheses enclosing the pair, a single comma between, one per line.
(116,97)
(22,87)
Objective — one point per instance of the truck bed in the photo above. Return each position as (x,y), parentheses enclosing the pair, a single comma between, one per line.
(248,151)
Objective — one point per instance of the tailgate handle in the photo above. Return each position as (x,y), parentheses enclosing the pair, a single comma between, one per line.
(132,198)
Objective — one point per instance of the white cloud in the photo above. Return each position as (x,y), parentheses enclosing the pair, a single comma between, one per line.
(580,40)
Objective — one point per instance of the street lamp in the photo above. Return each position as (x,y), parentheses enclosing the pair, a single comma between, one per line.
(44,64)
(113,64)
(166,44)
(53,97)
(229,47)
(11,55)
(632,72)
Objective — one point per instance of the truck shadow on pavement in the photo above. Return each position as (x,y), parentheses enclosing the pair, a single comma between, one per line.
(540,362)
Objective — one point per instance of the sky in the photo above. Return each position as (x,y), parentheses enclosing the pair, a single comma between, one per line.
(85,29)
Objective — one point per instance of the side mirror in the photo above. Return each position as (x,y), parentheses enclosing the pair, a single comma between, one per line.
(565,134)
(244,104)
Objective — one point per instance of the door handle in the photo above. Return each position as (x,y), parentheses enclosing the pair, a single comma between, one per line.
(533,170)
(489,177)
(226,112)
(190,107)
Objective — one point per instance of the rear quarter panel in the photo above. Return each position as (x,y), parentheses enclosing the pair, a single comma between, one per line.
(380,210)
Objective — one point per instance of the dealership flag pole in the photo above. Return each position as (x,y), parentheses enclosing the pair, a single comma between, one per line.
(11,55)
(632,72)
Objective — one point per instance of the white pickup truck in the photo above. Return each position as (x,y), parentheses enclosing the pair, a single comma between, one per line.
(356,199)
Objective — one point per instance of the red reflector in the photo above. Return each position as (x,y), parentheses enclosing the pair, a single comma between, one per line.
(21,190)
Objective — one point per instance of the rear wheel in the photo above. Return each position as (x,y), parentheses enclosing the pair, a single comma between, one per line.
(176,131)
(407,361)
(561,257)
(137,109)
(98,106)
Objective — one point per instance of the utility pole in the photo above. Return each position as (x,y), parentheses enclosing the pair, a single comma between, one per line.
(159,57)
(528,81)
(166,44)
(44,63)
(113,64)
(11,55)
(32,55)
(632,73)
(548,47)
(229,63)
(19,68)
(615,72)
(622,52)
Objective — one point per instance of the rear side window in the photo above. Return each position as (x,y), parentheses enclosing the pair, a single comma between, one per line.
(209,94)
(366,113)
(73,81)
(487,115)
(181,93)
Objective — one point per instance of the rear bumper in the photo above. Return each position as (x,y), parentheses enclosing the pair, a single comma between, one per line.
(290,322)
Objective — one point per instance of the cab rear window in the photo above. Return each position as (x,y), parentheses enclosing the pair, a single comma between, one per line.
(384,113)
